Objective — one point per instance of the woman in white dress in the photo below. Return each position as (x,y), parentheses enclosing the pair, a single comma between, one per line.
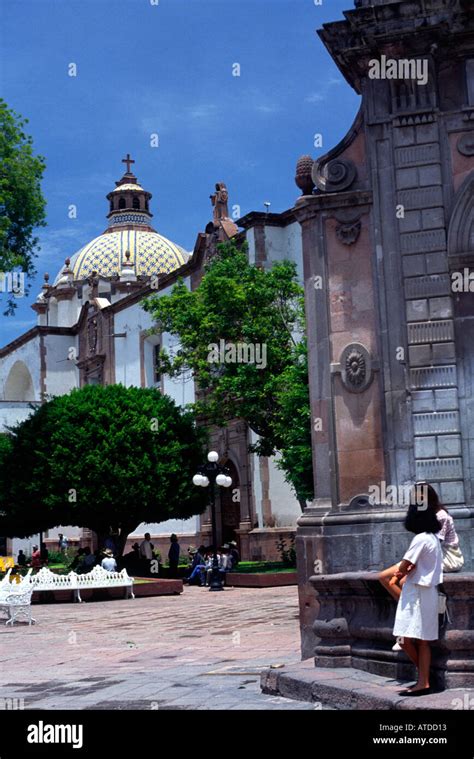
(416,619)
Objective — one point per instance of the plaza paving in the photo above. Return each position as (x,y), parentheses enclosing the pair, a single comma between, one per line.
(199,650)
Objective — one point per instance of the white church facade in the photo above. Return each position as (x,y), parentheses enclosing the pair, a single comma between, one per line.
(91,328)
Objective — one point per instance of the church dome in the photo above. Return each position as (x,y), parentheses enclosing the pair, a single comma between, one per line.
(129,241)
(150,254)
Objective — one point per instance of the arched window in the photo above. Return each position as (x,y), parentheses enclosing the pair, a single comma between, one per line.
(136,203)
(111,205)
(122,203)
(19,385)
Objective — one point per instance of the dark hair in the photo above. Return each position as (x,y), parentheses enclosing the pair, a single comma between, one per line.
(174,538)
(421,520)
(434,502)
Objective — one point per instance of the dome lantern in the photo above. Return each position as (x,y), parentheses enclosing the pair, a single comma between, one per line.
(129,203)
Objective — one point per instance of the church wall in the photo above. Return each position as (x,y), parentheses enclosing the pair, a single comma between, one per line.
(17,410)
(12,413)
(62,373)
(285,244)
(179,526)
(284,504)
(250,237)
(181,390)
(257,485)
(28,353)
(67,311)
(132,321)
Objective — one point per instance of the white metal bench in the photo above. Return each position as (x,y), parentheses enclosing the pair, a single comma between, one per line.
(99,577)
(15,598)
(96,578)
(5,582)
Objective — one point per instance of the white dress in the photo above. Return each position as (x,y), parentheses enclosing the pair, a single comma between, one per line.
(417,609)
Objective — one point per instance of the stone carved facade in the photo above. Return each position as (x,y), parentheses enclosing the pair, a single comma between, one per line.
(405,172)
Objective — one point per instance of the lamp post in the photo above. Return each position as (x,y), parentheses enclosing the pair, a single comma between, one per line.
(211,474)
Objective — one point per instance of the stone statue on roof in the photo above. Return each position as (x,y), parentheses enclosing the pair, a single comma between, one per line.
(220,200)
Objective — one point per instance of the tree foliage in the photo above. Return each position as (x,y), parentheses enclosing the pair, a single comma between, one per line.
(102,458)
(237,303)
(22,205)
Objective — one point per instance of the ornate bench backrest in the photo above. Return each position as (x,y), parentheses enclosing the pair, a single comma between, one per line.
(45,579)
(6,580)
(99,577)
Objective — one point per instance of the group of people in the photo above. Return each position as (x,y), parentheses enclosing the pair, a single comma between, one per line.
(416,580)
(85,560)
(202,563)
(39,557)
(142,560)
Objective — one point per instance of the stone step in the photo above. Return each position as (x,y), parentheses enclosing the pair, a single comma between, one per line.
(346,688)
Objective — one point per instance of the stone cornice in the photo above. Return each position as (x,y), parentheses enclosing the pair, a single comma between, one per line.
(370,30)
(310,519)
(64,293)
(261,218)
(309,206)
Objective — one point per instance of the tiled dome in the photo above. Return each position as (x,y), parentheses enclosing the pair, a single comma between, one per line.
(150,254)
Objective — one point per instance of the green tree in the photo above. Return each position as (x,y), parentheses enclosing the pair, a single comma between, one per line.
(22,205)
(236,302)
(103,458)
(5,451)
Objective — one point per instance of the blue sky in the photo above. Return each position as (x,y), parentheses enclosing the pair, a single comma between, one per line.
(167,69)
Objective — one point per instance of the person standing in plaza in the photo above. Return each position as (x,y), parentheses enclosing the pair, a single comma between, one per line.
(44,553)
(21,559)
(146,552)
(36,558)
(173,556)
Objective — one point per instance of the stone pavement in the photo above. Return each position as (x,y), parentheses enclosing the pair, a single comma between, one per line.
(199,650)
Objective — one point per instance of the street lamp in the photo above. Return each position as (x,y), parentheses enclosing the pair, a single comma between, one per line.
(211,474)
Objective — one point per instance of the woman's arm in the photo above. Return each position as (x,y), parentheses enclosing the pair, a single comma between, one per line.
(404,568)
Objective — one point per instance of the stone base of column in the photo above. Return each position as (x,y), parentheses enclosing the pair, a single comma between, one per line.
(355,622)
(330,541)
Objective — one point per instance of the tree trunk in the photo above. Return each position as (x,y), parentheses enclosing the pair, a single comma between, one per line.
(302,503)
(125,531)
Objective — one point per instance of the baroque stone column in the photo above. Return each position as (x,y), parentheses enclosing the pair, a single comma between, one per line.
(390,369)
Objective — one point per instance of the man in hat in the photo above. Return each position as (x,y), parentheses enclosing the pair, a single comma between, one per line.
(108,562)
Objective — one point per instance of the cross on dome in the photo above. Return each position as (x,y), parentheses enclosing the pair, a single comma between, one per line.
(128,161)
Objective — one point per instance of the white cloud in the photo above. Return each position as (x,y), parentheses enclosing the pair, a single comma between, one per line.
(202,111)
(322,94)
(315,97)
(267,108)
